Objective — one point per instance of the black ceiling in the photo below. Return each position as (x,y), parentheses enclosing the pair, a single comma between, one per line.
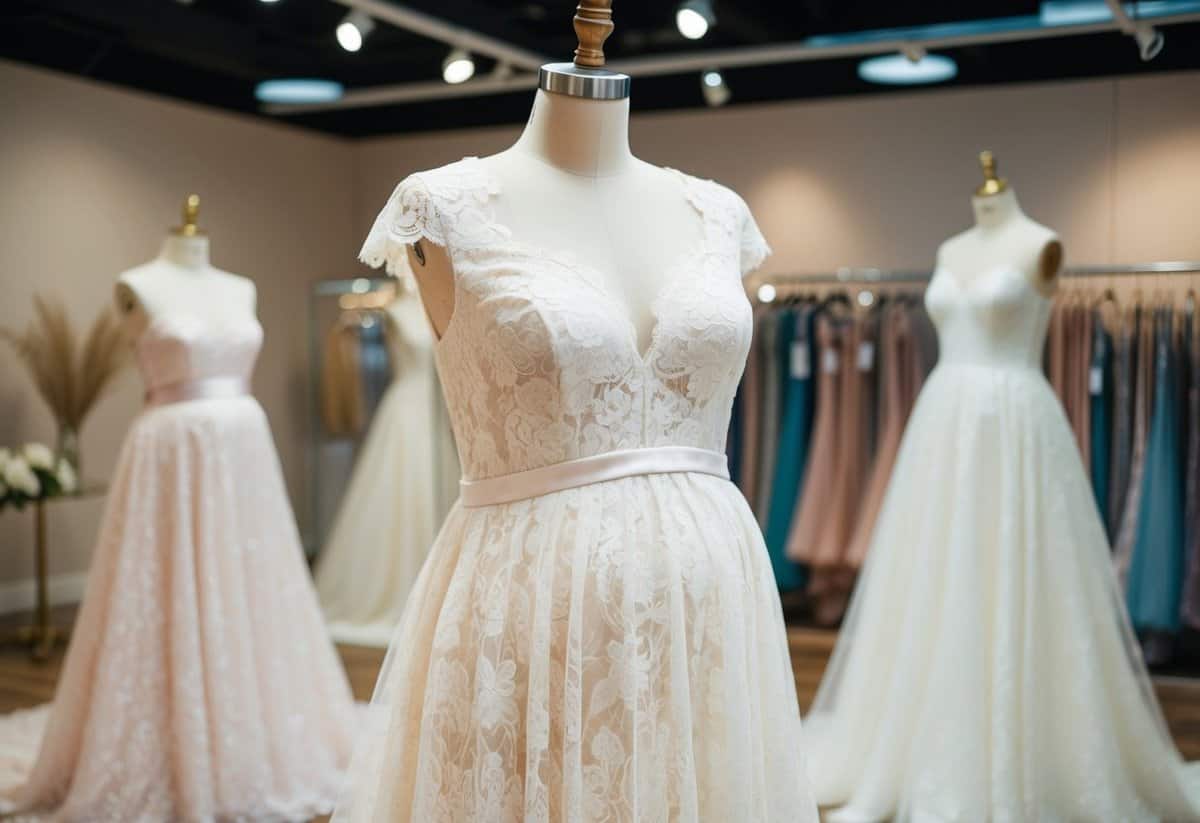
(216,51)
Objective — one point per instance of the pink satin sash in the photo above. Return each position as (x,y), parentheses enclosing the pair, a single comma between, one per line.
(204,389)
(584,471)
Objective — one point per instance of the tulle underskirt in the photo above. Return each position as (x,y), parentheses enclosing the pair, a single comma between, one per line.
(200,684)
(614,652)
(386,521)
(986,670)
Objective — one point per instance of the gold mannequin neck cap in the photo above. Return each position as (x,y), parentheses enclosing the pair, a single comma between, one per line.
(191,217)
(992,184)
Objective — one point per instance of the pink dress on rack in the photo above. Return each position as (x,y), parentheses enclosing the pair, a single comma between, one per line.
(200,684)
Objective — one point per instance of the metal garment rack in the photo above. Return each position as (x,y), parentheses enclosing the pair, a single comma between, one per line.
(865,276)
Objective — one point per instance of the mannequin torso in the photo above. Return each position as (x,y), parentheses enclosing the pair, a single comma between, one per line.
(181,279)
(571,183)
(1003,235)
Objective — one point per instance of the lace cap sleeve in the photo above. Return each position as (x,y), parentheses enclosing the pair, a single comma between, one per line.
(410,215)
(754,246)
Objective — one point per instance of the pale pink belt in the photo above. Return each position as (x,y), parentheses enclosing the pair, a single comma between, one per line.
(584,471)
(204,389)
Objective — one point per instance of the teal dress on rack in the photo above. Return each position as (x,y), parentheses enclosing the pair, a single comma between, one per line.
(1101,394)
(794,347)
(1155,583)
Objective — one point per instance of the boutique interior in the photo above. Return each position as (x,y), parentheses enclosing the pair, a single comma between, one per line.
(229,475)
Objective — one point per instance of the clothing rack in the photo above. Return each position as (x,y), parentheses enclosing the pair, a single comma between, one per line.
(851,275)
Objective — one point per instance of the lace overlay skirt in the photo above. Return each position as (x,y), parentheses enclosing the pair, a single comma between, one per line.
(614,652)
(200,684)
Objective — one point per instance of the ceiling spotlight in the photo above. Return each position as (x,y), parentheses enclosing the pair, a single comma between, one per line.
(298,90)
(353,30)
(458,67)
(268,2)
(715,89)
(694,18)
(766,293)
(1149,42)
(904,70)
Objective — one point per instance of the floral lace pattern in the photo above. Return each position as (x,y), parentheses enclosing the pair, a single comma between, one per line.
(611,653)
(200,684)
(533,374)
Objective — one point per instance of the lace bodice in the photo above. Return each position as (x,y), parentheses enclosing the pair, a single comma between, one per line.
(995,319)
(179,348)
(540,363)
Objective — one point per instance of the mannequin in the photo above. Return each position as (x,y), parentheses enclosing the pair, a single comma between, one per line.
(572,182)
(1002,232)
(181,279)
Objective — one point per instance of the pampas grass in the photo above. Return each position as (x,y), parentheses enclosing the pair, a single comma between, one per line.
(70,383)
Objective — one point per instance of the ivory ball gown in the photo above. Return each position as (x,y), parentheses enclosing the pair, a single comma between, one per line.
(200,684)
(986,670)
(403,483)
(596,635)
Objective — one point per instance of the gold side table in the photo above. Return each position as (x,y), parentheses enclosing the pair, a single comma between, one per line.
(42,635)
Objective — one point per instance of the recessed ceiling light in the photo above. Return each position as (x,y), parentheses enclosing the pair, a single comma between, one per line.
(694,18)
(715,89)
(353,30)
(298,90)
(458,67)
(900,70)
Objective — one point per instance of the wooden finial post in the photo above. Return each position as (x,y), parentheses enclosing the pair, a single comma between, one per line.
(593,25)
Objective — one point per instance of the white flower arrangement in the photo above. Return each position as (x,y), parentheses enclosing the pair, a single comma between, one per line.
(33,473)
(39,456)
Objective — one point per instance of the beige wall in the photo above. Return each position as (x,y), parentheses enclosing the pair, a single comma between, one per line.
(1114,165)
(90,179)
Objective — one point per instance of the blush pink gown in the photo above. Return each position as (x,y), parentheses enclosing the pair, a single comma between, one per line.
(200,684)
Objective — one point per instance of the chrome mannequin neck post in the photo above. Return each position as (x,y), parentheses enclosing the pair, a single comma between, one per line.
(585,83)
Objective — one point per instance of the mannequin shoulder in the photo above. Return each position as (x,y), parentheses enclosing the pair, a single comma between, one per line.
(1045,255)
(955,249)
(469,175)
(134,290)
(1038,252)
(426,205)
(707,192)
(238,287)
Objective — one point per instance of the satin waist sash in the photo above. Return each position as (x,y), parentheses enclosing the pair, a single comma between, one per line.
(584,471)
(204,389)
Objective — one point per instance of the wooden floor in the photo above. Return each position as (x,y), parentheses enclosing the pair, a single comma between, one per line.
(24,683)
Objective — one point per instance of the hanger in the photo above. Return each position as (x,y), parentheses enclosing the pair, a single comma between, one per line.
(836,297)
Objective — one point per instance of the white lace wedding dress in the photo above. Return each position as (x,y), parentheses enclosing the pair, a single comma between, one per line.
(986,670)
(596,635)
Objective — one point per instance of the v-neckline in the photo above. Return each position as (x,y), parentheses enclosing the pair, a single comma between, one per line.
(593,276)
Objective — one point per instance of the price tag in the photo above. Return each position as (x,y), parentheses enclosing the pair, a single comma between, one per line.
(1096,381)
(801,362)
(866,355)
(831,361)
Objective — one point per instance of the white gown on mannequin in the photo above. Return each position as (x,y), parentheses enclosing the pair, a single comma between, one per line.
(986,670)
(200,684)
(596,635)
(402,486)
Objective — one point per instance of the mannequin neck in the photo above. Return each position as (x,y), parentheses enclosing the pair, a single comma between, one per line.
(185,252)
(996,210)
(589,138)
